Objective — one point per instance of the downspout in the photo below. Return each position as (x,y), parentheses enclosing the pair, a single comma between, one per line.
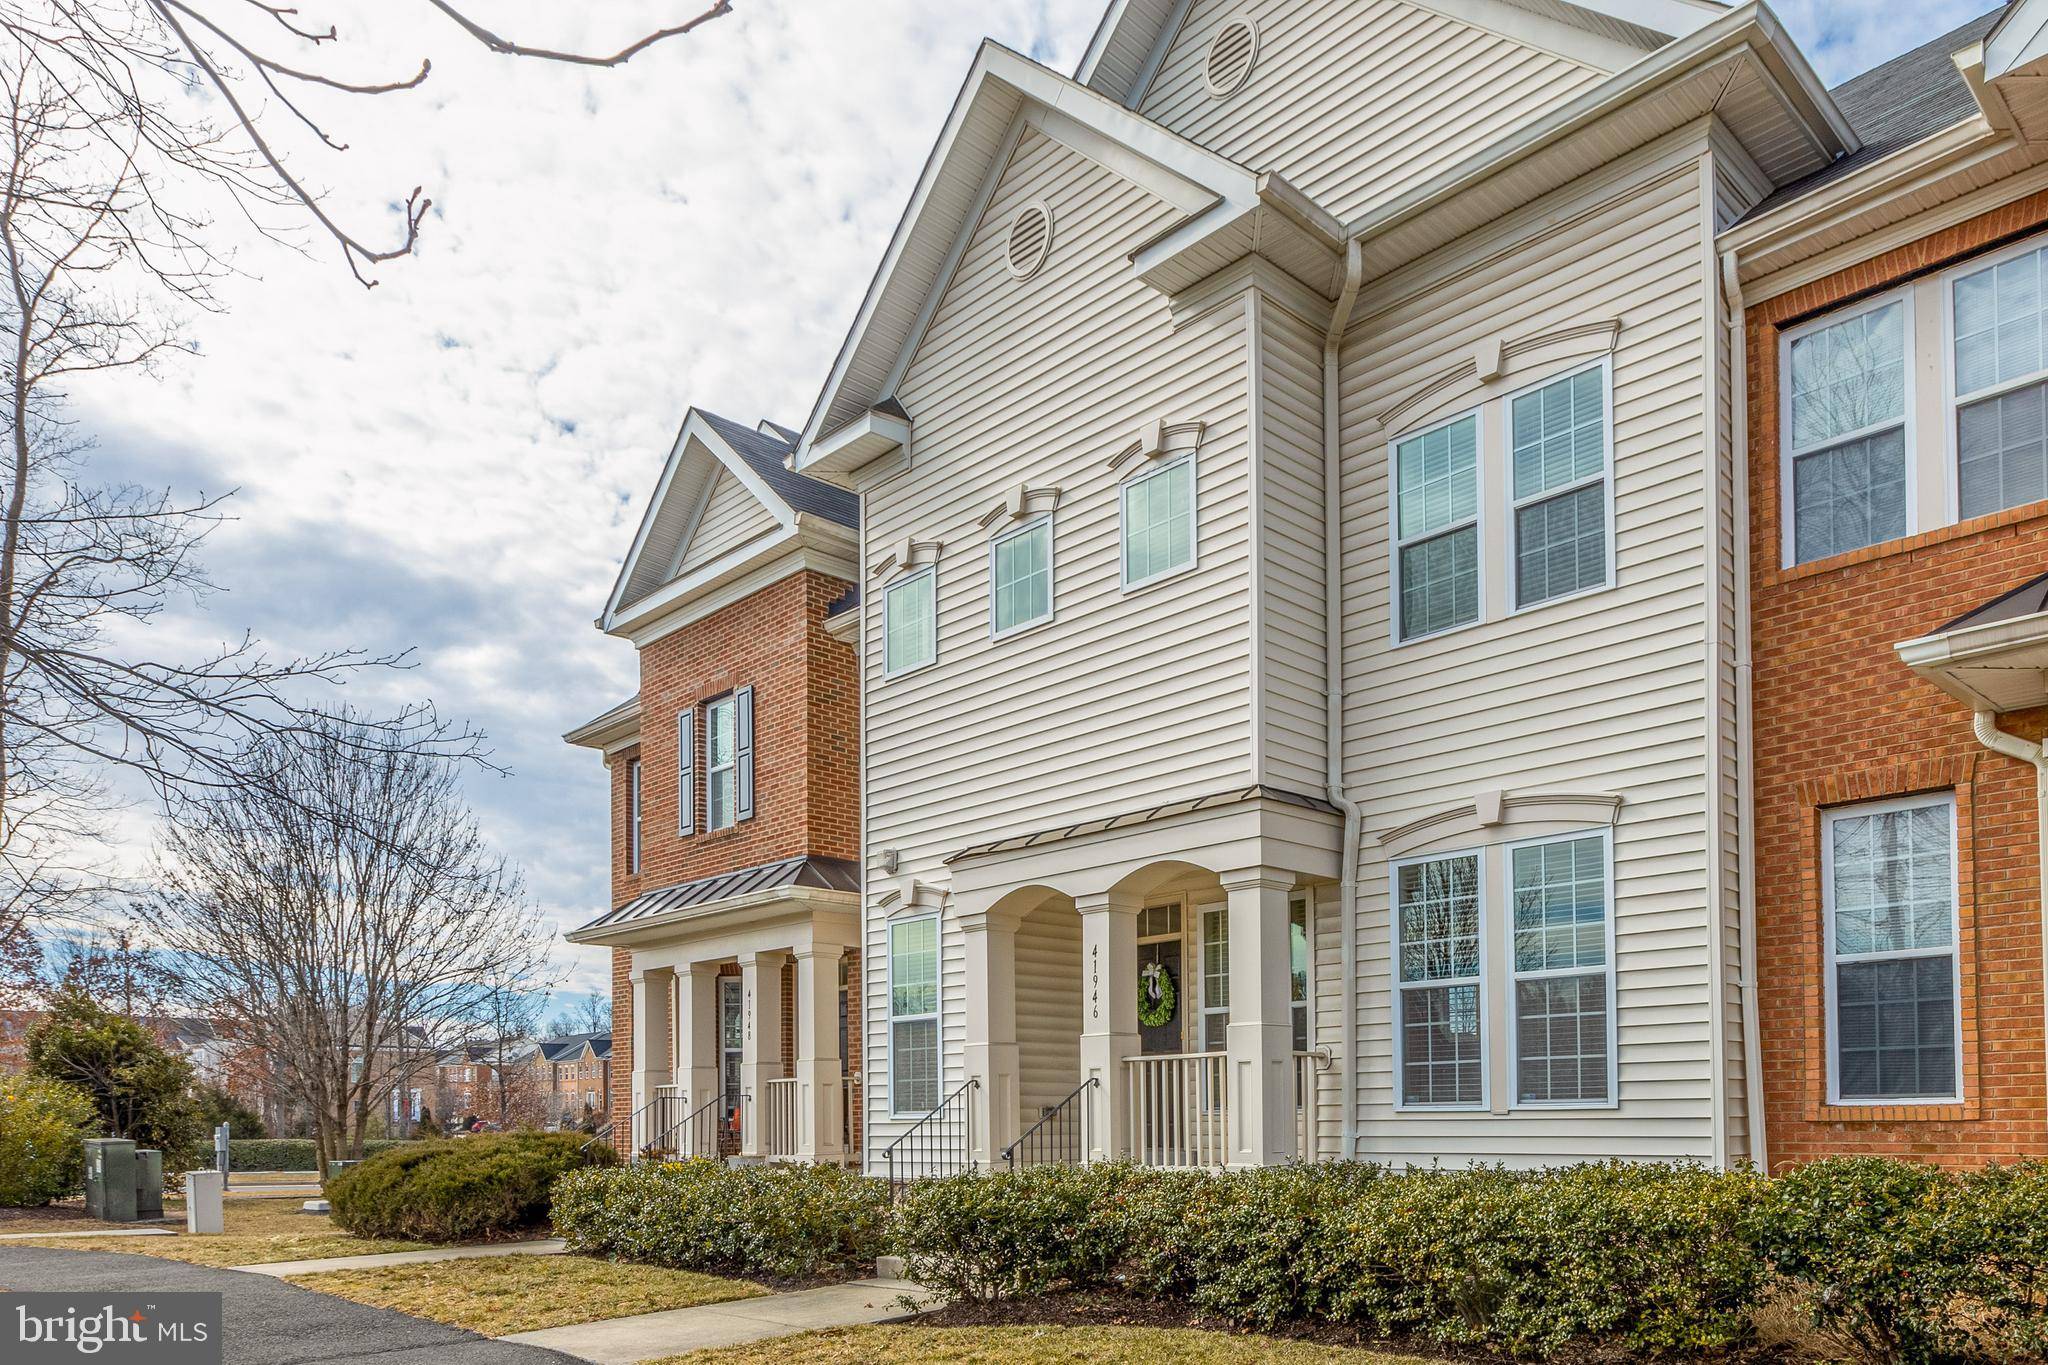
(1745,751)
(2012,746)
(1333,686)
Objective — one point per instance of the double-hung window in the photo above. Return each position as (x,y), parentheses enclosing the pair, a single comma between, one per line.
(721,762)
(1440,1052)
(2001,384)
(1436,516)
(1020,577)
(1845,433)
(910,621)
(1159,521)
(1558,436)
(914,1016)
(1563,986)
(1888,873)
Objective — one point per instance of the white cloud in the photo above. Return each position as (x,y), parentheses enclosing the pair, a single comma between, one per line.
(457,459)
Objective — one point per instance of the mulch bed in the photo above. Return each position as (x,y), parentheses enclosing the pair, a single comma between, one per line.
(1068,1309)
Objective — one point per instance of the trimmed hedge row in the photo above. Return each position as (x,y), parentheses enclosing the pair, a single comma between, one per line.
(1892,1261)
(784,1221)
(461,1189)
(284,1154)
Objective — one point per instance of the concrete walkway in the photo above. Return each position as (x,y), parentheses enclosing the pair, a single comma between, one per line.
(153,1231)
(622,1341)
(550,1246)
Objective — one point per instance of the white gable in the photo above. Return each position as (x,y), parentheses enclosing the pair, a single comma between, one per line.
(731,517)
(1356,103)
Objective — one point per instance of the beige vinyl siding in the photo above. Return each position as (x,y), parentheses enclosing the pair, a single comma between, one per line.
(732,517)
(1356,103)
(1123,700)
(1605,693)
(1048,1009)
(1289,402)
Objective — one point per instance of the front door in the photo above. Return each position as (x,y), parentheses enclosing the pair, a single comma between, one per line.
(1159,977)
(731,1035)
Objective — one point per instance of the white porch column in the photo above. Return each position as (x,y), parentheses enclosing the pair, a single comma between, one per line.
(819,1066)
(991,1053)
(760,1044)
(1261,1028)
(653,1061)
(1109,1016)
(697,1032)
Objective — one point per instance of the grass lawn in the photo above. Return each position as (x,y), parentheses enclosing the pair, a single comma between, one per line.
(1031,1346)
(258,1231)
(499,1295)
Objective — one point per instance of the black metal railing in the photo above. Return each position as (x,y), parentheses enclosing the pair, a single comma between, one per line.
(937,1144)
(693,1132)
(649,1119)
(600,1136)
(1059,1138)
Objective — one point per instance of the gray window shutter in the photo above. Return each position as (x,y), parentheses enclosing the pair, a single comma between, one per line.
(686,771)
(743,751)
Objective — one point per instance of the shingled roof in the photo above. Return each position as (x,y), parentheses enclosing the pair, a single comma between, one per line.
(1913,96)
(765,454)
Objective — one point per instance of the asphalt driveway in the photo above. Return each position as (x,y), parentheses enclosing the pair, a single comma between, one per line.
(268,1322)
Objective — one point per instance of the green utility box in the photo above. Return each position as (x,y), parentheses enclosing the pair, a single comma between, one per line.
(110,1179)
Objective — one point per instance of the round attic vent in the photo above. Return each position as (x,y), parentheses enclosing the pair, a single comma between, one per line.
(1231,54)
(1030,239)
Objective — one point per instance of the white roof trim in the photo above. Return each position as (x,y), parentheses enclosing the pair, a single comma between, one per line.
(1003,82)
(694,428)
(1998,666)
(2019,41)
(813,542)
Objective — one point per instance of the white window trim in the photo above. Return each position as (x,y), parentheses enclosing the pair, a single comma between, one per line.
(731,702)
(936,1016)
(1156,469)
(1203,1008)
(1023,528)
(1953,951)
(930,571)
(1478,522)
(1787,531)
(1516,607)
(1515,975)
(1953,402)
(1480,871)
(633,814)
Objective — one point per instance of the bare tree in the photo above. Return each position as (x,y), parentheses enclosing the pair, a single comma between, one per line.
(502,1028)
(590,1012)
(344,914)
(133,66)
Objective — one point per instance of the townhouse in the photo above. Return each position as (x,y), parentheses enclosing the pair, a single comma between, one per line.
(1433,581)
(735,887)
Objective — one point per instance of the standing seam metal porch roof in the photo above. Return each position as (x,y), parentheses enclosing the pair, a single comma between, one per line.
(823,874)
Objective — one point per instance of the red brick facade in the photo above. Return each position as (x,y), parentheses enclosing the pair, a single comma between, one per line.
(806,763)
(1839,719)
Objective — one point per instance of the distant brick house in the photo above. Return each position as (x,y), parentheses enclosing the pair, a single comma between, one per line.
(574,1073)
(735,807)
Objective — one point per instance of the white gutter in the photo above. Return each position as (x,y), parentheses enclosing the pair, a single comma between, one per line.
(1745,748)
(1333,685)
(1985,723)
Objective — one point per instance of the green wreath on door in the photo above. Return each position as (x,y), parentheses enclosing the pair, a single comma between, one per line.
(1156,995)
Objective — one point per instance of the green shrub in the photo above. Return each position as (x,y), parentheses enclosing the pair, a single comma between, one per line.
(2005,1209)
(43,1126)
(286,1154)
(139,1088)
(462,1189)
(784,1221)
(1884,1255)
(988,1236)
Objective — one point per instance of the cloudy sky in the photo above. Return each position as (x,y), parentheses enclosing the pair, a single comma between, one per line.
(456,460)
